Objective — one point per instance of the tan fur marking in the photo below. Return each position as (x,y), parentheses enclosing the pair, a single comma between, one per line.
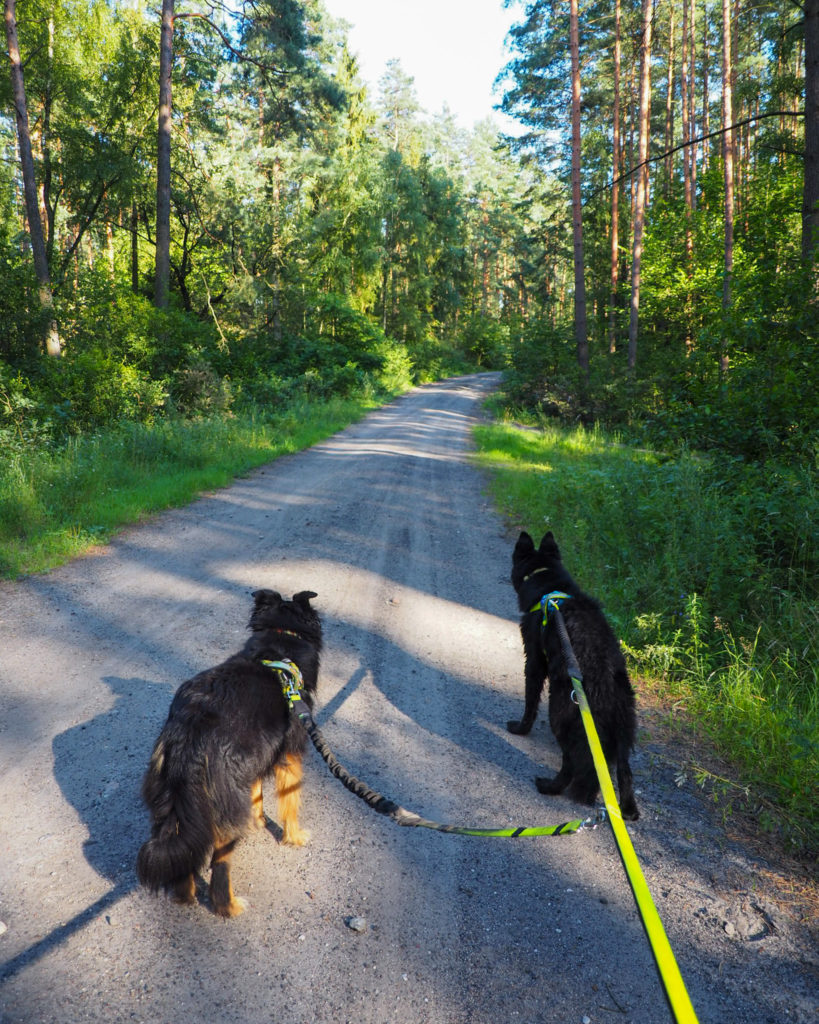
(288,774)
(257,802)
(222,897)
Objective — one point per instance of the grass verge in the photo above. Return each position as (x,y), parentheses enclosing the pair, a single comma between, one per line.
(55,505)
(707,569)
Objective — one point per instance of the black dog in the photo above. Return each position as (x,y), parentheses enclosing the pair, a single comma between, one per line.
(227,729)
(539,571)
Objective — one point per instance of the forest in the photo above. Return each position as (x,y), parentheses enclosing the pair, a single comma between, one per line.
(205,221)
(206,216)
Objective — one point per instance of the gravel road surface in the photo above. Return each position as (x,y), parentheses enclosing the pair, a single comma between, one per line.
(389,523)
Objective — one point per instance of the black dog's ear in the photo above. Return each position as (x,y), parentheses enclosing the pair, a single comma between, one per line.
(525,544)
(302,599)
(548,546)
(272,597)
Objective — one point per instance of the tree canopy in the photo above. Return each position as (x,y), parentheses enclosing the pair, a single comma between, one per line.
(313,231)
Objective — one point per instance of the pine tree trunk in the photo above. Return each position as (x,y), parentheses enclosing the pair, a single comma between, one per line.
(669,108)
(615,192)
(48,207)
(485,259)
(577,210)
(810,193)
(706,128)
(685,94)
(134,248)
(692,105)
(276,281)
(51,338)
(642,180)
(728,152)
(163,160)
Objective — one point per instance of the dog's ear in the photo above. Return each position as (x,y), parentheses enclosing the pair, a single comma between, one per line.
(548,546)
(302,599)
(525,545)
(271,597)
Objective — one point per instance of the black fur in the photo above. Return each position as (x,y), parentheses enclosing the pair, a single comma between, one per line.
(227,729)
(539,571)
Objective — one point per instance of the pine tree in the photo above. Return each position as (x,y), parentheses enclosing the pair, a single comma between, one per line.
(51,337)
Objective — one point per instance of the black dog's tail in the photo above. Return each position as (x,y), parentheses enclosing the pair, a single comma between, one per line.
(182,832)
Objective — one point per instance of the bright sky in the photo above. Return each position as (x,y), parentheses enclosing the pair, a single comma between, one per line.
(453,49)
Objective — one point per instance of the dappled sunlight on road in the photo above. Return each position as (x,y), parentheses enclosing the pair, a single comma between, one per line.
(441,633)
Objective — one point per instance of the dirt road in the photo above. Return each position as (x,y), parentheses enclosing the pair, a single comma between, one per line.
(388,522)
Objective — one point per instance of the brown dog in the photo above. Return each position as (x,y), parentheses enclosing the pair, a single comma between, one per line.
(227,729)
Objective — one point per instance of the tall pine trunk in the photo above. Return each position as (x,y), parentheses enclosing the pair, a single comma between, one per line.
(51,338)
(686,123)
(669,108)
(642,180)
(615,191)
(134,247)
(163,160)
(706,126)
(727,152)
(810,193)
(692,102)
(580,330)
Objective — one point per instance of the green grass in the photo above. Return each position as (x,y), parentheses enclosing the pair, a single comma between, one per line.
(707,569)
(55,505)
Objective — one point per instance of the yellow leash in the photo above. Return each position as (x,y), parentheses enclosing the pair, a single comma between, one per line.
(670,976)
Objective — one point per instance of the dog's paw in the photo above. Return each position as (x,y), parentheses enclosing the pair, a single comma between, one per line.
(292,835)
(236,906)
(629,811)
(519,728)
(184,891)
(550,787)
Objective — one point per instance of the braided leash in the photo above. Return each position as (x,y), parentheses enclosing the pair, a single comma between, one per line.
(292,684)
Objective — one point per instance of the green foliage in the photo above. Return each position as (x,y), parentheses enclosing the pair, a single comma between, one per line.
(126,360)
(540,370)
(93,388)
(20,321)
(486,341)
(707,566)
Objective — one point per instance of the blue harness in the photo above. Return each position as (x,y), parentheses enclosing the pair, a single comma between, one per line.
(550,602)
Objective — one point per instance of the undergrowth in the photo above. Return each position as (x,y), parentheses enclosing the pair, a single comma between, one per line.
(707,568)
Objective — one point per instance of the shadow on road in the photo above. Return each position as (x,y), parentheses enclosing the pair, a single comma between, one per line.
(98,765)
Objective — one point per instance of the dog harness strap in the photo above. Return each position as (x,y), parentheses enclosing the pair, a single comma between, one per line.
(550,602)
(290,678)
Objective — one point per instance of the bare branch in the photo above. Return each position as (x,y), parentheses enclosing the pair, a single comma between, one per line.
(238,54)
(694,142)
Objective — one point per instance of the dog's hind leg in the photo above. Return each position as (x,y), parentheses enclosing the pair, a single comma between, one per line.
(257,803)
(585,786)
(628,805)
(184,891)
(288,773)
(222,898)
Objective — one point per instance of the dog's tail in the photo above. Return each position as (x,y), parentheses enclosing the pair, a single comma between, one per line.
(182,833)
